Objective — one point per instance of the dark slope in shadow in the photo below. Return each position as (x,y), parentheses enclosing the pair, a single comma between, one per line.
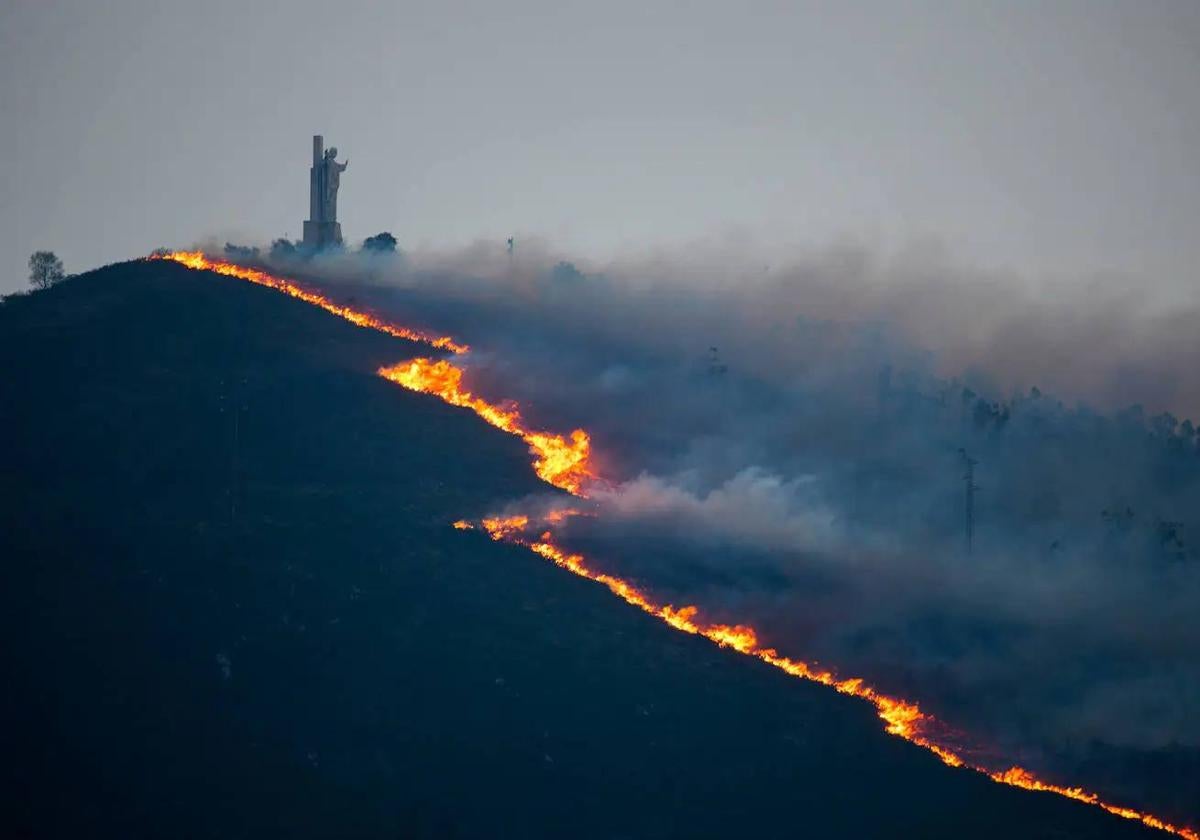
(284,637)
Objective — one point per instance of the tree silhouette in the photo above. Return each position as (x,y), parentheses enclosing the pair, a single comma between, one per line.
(45,269)
(283,249)
(380,243)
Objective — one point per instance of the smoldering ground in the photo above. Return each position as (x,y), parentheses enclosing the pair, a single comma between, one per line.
(786,445)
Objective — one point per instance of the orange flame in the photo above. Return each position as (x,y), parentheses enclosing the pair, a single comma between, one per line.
(565,464)
(558,460)
(903,718)
(200,262)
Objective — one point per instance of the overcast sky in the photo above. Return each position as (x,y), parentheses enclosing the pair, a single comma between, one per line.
(1055,138)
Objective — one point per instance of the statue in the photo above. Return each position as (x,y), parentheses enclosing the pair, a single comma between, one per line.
(332,179)
(322,230)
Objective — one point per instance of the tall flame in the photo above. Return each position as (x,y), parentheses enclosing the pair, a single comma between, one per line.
(558,460)
(565,463)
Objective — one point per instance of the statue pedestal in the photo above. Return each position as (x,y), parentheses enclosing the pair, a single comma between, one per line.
(322,234)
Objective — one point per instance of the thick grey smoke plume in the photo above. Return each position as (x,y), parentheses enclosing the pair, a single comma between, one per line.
(785,445)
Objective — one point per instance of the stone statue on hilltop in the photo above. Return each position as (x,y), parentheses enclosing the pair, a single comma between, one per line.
(322,230)
(333,176)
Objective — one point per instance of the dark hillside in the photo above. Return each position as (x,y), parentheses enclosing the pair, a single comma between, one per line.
(233,607)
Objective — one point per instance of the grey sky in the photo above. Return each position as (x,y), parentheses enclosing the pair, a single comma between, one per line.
(1042,137)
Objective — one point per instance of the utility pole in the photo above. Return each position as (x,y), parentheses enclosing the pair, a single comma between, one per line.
(971,487)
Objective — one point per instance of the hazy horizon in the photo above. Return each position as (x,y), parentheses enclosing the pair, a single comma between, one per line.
(1051,142)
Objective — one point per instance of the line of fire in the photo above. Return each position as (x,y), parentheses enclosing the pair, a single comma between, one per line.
(565,461)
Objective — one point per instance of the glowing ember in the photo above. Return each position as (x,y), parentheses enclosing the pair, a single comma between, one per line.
(558,460)
(564,462)
(200,262)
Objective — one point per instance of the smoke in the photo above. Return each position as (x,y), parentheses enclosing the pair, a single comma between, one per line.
(753,508)
(1102,338)
(783,443)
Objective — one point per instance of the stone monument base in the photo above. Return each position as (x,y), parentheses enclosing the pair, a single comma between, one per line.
(322,234)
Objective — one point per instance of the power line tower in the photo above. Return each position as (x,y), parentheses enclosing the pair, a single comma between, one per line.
(715,366)
(970,488)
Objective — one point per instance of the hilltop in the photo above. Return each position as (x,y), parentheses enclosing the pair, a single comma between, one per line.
(235,608)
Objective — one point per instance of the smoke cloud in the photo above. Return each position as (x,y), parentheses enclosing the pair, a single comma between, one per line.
(784,443)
